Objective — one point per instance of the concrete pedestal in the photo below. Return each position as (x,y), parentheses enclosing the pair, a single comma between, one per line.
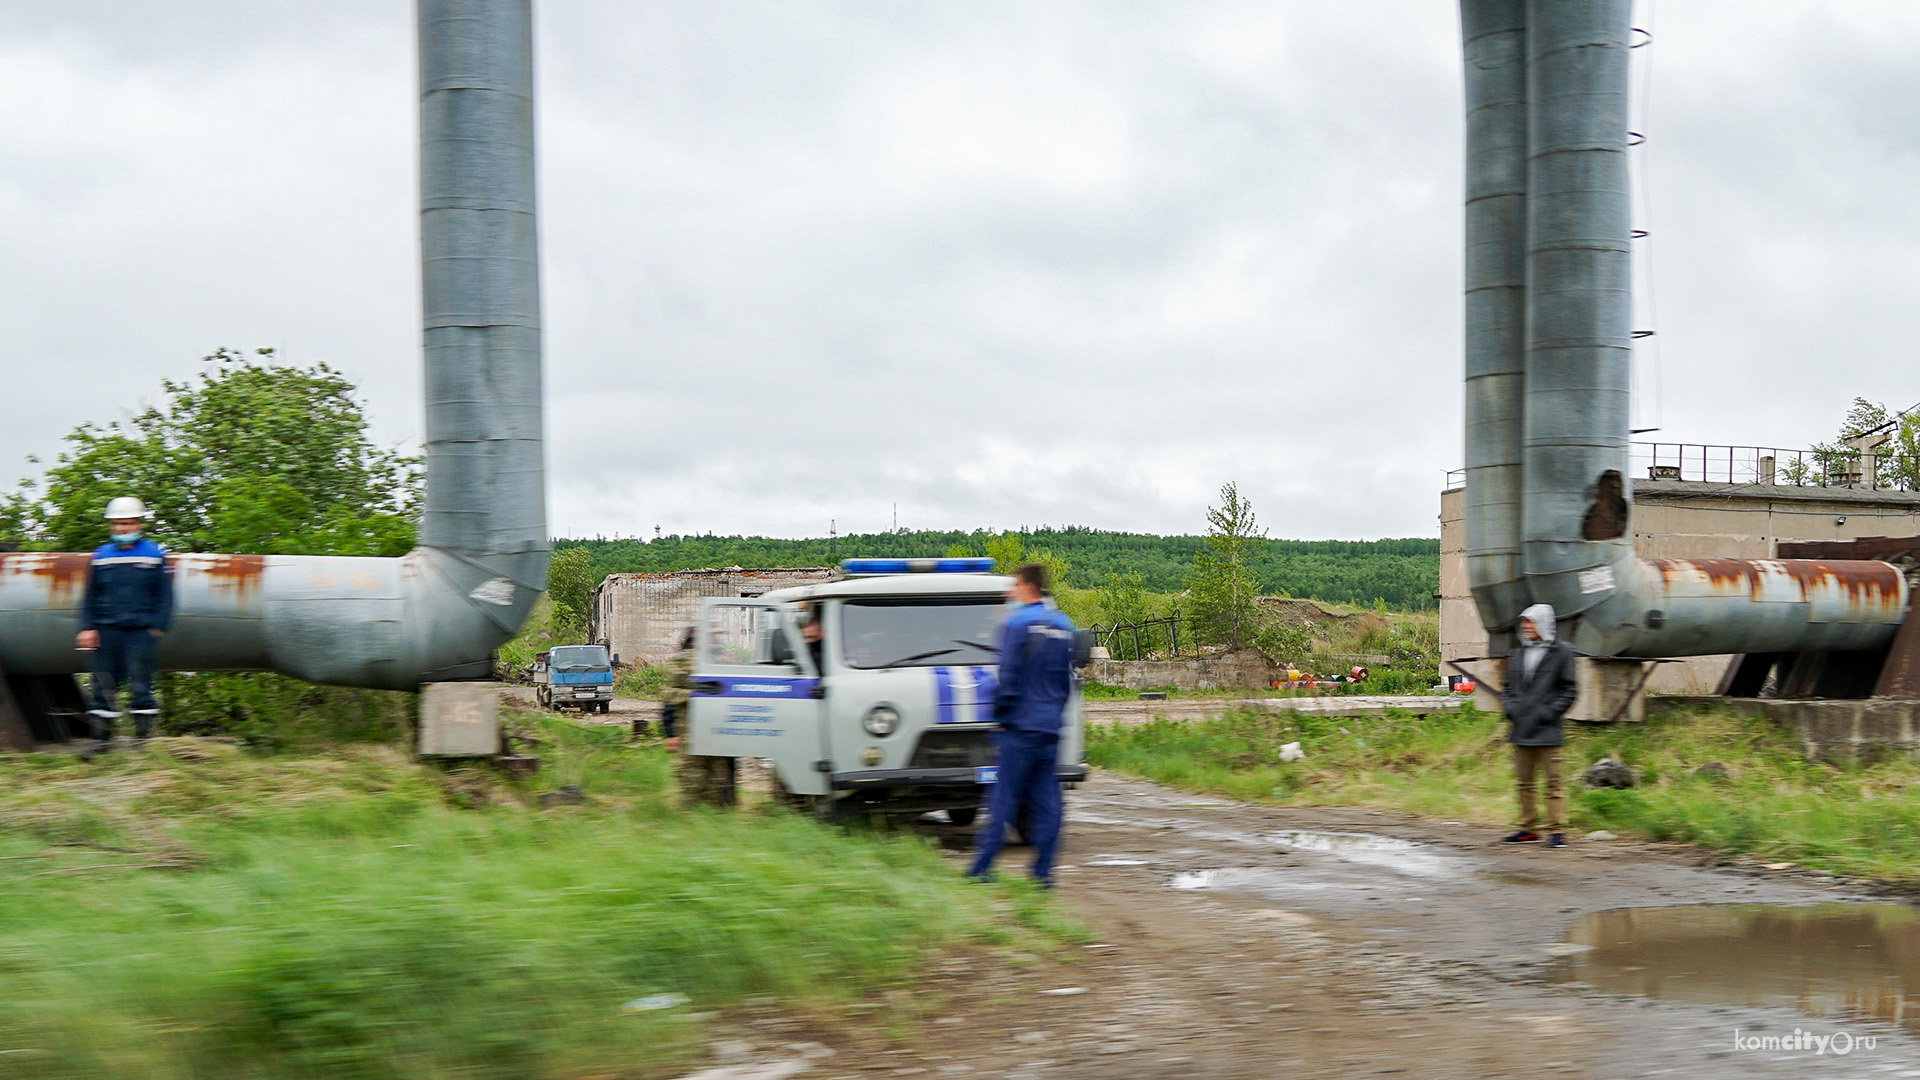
(1610,691)
(459,719)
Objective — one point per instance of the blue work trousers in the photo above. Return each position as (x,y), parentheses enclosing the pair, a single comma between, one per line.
(124,656)
(1026,790)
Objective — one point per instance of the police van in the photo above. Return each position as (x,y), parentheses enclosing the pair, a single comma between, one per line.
(873,693)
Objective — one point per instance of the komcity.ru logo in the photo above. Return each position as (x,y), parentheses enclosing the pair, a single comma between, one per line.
(1840,1042)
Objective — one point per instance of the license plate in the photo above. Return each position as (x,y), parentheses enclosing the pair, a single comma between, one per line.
(986,774)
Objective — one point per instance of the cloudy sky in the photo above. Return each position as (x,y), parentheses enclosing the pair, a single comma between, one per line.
(1000,264)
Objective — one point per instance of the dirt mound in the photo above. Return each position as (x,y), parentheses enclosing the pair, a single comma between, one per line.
(1306,613)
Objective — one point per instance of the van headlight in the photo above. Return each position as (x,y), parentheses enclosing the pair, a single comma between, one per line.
(881,720)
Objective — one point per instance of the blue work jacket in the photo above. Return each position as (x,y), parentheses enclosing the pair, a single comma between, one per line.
(129,588)
(1036,670)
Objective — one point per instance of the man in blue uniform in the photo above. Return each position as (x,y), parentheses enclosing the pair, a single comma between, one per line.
(128,604)
(1036,675)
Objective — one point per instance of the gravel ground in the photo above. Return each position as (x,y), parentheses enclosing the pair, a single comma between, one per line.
(1230,947)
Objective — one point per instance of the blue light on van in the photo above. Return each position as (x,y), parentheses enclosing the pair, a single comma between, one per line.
(868,567)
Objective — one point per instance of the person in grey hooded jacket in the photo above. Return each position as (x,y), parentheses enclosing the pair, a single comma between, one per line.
(1540,689)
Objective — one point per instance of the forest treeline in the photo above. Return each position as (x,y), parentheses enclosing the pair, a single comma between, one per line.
(1404,573)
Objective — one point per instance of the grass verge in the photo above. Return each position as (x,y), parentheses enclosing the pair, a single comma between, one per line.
(197,911)
(1861,820)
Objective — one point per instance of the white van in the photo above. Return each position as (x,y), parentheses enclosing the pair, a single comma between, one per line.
(891,712)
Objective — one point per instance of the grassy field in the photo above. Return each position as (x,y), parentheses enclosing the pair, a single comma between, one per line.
(1856,820)
(197,911)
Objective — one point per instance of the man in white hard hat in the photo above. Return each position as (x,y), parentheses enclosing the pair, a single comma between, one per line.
(128,604)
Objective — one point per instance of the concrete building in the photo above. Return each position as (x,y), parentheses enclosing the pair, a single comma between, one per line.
(1689,519)
(640,617)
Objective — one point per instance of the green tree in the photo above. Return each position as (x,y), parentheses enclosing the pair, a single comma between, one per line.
(1835,460)
(1900,460)
(251,456)
(1009,551)
(570,588)
(1223,587)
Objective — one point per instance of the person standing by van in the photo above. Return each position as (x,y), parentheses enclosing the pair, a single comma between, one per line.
(1036,678)
(1541,687)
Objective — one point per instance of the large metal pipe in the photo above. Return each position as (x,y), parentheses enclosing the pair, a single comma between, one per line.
(1577,509)
(1494,44)
(441,610)
(1579,302)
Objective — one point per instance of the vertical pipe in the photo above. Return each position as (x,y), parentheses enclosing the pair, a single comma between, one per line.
(1494,42)
(485,503)
(1578,544)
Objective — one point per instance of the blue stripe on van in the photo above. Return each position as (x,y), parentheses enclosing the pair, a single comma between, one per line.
(943,696)
(986,683)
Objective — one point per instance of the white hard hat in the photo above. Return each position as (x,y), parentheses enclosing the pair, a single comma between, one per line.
(126,506)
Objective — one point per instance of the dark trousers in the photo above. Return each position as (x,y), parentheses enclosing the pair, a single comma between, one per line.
(1026,790)
(124,656)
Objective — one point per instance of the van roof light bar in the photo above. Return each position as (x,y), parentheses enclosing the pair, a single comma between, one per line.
(872,567)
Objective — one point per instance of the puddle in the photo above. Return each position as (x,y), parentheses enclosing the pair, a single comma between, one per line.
(1824,960)
(1253,879)
(1392,853)
(1113,860)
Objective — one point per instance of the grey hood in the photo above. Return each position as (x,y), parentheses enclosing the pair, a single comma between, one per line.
(1541,615)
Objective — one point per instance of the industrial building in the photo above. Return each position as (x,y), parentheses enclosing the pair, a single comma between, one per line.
(640,617)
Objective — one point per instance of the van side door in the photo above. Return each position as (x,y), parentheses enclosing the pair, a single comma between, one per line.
(755,693)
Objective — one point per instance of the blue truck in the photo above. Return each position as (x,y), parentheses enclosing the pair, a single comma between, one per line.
(574,677)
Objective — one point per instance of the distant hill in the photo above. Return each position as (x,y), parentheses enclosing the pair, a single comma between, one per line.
(1404,573)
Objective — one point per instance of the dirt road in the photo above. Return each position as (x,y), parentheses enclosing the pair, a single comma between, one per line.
(1239,941)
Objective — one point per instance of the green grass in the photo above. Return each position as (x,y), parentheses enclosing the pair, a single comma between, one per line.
(1859,820)
(645,681)
(360,915)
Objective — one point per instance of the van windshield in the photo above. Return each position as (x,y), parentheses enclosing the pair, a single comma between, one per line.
(933,632)
(574,659)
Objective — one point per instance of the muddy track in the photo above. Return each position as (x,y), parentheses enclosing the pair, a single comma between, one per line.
(1235,941)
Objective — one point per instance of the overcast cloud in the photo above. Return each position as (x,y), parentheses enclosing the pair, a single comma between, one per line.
(998,263)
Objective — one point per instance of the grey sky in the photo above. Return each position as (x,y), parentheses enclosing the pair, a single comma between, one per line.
(1000,263)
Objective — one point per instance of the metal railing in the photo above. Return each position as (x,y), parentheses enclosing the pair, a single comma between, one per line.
(1753,465)
(1708,463)
(1114,637)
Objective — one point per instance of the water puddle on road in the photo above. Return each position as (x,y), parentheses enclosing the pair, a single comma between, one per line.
(1392,853)
(1256,880)
(1825,960)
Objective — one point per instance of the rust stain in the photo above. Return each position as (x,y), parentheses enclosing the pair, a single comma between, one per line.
(1866,584)
(238,573)
(62,573)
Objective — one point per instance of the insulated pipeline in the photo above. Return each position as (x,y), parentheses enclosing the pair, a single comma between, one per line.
(440,611)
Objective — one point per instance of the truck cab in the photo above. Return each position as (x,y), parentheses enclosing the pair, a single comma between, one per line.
(574,677)
(890,711)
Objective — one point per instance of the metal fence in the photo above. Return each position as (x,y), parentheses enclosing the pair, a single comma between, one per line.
(1115,637)
(1707,463)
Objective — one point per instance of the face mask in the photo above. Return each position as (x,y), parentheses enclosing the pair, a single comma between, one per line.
(127,539)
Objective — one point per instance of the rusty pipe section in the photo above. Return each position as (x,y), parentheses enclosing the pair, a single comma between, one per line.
(1494,46)
(440,611)
(1704,607)
(379,623)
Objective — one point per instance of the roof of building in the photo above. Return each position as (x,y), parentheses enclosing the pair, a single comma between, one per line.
(722,571)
